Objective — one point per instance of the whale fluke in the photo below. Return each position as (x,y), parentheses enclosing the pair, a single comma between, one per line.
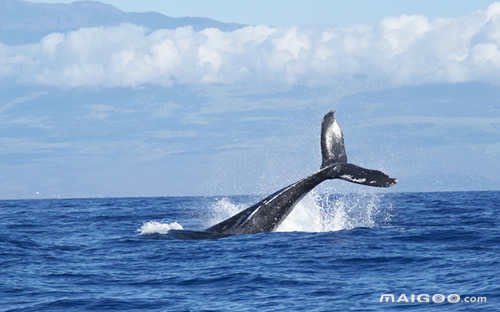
(333,152)
(359,175)
(332,141)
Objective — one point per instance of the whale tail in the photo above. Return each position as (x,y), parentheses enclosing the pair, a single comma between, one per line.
(334,158)
(332,141)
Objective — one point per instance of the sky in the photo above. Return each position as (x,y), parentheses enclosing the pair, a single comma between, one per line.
(298,12)
(124,110)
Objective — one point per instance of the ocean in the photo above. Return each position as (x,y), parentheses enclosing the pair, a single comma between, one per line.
(335,252)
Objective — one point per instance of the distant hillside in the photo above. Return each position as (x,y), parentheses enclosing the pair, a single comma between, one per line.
(24,22)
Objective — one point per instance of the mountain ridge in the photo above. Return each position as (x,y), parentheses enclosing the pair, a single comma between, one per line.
(24,22)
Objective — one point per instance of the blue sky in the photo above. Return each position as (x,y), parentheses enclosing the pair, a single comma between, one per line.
(297,12)
(125,110)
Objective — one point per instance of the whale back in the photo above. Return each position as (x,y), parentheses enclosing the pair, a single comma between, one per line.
(332,141)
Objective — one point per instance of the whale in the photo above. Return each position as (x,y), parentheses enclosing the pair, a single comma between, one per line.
(270,212)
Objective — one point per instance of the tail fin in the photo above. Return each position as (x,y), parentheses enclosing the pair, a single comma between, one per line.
(334,157)
(332,141)
(359,175)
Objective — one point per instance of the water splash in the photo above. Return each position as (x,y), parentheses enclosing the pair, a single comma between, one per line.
(334,212)
(319,212)
(222,209)
(155,227)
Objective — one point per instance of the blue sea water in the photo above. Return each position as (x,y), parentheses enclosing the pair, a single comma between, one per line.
(336,252)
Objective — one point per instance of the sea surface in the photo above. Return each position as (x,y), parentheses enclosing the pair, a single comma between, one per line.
(335,252)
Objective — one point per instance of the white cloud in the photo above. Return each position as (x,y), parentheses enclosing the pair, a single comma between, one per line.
(165,110)
(169,134)
(23,146)
(396,51)
(30,122)
(5,107)
(103,111)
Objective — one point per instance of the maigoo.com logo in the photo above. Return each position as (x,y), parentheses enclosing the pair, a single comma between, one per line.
(427,298)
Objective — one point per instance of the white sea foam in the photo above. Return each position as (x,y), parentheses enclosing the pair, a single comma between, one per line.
(155,227)
(319,212)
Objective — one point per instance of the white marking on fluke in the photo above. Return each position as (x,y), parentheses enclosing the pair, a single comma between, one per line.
(333,132)
(336,129)
(351,178)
